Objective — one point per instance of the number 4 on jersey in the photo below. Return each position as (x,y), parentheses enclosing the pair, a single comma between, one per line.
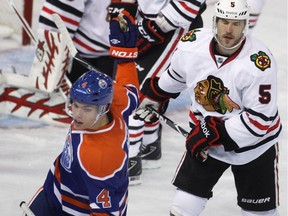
(104,198)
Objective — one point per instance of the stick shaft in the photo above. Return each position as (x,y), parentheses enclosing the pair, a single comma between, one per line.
(168,121)
(65,34)
(26,26)
(26,209)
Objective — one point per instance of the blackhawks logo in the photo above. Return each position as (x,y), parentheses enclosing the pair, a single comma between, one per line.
(189,36)
(213,95)
(261,60)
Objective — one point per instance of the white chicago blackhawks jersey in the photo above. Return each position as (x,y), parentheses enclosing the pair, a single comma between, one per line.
(86,23)
(241,89)
(180,13)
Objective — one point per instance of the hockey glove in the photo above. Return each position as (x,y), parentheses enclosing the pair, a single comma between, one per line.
(123,36)
(153,96)
(149,34)
(116,6)
(202,136)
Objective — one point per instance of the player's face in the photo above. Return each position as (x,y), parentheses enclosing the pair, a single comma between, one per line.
(230,32)
(84,115)
(201,93)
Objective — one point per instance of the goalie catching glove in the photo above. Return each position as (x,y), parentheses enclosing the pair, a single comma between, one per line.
(206,133)
(123,37)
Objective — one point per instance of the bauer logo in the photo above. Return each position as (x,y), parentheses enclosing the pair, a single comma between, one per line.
(256,201)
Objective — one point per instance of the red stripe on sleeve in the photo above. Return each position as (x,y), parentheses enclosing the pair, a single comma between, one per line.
(65,19)
(189,9)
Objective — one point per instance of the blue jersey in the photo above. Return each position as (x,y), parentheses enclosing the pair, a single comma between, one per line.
(91,174)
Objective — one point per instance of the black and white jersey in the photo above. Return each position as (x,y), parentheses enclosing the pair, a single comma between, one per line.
(179,13)
(240,89)
(85,21)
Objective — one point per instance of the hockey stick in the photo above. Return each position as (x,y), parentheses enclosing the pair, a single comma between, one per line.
(168,121)
(176,127)
(64,32)
(26,26)
(26,209)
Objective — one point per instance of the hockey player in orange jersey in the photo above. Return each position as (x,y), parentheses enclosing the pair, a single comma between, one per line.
(90,176)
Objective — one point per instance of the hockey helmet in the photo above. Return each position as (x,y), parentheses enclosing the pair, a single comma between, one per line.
(232,9)
(93,88)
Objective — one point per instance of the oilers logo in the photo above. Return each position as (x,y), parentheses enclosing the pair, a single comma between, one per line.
(67,154)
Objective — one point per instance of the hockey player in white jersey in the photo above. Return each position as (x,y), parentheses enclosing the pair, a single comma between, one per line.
(88,27)
(160,25)
(232,81)
(256,7)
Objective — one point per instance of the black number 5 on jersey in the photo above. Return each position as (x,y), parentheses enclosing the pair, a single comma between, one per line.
(264,92)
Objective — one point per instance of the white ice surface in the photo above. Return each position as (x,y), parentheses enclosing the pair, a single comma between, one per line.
(28,148)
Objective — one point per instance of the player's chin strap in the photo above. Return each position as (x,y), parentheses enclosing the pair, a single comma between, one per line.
(245,32)
(230,48)
(102,109)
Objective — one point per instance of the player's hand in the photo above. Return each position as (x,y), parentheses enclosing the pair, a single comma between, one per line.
(118,5)
(202,136)
(149,35)
(123,37)
(144,114)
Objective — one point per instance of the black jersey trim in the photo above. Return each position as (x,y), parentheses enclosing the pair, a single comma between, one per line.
(93,41)
(169,73)
(268,139)
(66,8)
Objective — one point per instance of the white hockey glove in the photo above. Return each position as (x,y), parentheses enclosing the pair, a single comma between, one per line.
(154,96)
(145,114)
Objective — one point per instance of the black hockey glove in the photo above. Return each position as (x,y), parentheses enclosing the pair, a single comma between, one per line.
(208,132)
(116,6)
(149,34)
(152,95)
(123,36)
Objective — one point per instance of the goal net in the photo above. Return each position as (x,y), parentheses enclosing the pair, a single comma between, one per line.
(10,24)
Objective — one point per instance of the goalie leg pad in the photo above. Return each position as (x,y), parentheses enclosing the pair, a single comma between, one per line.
(34,105)
(49,66)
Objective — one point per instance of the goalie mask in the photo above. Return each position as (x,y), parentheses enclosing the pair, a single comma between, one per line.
(234,10)
(92,88)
